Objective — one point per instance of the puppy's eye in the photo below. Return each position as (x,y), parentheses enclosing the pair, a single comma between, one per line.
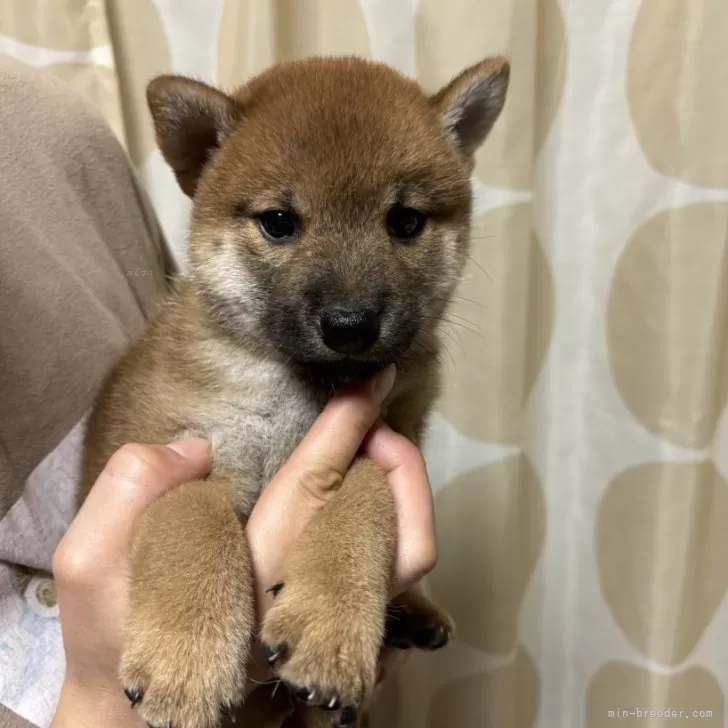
(279,226)
(405,223)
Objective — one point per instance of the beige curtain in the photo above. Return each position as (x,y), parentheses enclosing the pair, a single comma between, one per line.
(579,454)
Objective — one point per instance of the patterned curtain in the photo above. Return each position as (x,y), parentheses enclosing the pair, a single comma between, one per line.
(579,454)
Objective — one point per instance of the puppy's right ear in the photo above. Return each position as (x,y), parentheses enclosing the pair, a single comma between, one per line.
(471,103)
(191,119)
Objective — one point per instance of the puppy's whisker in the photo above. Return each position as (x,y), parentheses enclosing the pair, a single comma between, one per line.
(449,360)
(480,267)
(440,348)
(456,297)
(264,682)
(463,326)
(452,338)
(452,315)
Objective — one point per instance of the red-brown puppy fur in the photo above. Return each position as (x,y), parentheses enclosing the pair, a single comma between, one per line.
(331,196)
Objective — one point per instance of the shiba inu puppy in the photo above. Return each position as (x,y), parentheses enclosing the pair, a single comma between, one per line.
(330,227)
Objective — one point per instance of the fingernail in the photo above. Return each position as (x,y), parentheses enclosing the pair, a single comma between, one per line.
(191,448)
(383,383)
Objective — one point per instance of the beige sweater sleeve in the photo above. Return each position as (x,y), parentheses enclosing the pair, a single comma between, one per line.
(81,266)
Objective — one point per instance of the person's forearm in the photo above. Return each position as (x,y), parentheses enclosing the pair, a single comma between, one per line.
(93,707)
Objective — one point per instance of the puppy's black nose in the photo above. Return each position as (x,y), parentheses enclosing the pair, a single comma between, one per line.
(349,329)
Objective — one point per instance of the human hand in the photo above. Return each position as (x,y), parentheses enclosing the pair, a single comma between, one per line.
(91,565)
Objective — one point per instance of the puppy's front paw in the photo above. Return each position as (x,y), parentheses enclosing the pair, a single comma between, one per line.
(191,614)
(326,649)
(189,624)
(184,671)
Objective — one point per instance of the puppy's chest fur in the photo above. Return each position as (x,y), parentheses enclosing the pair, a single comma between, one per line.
(256,417)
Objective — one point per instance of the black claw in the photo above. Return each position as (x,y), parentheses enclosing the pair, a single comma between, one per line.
(305,694)
(405,630)
(275,652)
(275,589)
(332,704)
(135,696)
(229,711)
(348,716)
(431,638)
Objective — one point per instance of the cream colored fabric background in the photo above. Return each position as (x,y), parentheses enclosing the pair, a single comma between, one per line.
(580,453)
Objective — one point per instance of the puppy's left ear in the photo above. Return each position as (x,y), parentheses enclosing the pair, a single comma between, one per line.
(470,104)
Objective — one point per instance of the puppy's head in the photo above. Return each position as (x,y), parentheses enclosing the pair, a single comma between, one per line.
(331,202)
